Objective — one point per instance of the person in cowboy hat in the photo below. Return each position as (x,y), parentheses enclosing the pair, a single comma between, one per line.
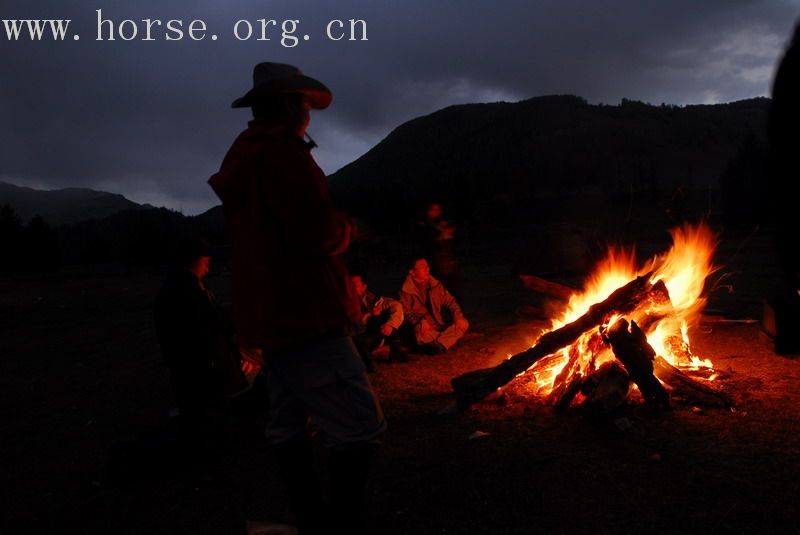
(292,298)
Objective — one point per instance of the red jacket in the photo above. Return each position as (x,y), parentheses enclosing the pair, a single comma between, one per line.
(290,283)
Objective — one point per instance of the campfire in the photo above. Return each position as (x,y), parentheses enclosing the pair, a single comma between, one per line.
(627,331)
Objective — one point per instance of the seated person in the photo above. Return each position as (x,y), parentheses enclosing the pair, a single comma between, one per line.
(431,310)
(380,319)
(196,340)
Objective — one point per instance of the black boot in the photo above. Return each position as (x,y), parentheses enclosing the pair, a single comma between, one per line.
(298,470)
(348,470)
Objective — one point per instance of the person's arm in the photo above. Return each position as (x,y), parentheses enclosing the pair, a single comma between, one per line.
(455,310)
(395,309)
(411,312)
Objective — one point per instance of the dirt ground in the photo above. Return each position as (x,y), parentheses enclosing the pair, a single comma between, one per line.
(80,369)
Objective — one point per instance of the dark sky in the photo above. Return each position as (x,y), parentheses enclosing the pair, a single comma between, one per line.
(152,119)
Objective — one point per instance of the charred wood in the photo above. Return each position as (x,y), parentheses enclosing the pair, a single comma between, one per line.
(678,347)
(575,365)
(476,385)
(631,348)
(606,389)
(560,382)
(568,393)
(548,360)
(687,387)
(658,306)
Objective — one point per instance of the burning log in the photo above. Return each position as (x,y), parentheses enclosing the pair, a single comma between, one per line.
(632,349)
(658,304)
(569,382)
(476,385)
(648,308)
(685,385)
(606,389)
(569,392)
(569,370)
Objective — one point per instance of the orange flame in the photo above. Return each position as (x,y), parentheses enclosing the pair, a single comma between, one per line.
(684,269)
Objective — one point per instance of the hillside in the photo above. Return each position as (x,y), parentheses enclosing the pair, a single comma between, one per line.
(63,206)
(527,179)
(508,162)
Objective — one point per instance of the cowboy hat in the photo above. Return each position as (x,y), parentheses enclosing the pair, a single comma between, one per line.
(270,79)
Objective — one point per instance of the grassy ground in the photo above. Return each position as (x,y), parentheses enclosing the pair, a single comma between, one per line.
(80,368)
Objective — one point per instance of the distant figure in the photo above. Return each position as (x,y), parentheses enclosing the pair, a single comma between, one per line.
(436,242)
(677,209)
(431,310)
(292,297)
(783,130)
(381,317)
(197,342)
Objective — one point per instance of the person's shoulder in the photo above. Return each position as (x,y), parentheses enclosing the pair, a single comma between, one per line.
(408,285)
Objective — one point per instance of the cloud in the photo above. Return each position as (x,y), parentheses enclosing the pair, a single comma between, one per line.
(152,120)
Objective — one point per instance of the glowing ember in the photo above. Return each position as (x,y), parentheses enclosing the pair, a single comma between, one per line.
(683,269)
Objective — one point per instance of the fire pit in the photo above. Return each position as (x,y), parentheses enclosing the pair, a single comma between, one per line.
(627,331)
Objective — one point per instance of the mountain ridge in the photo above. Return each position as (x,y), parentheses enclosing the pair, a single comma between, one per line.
(66,205)
(509,153)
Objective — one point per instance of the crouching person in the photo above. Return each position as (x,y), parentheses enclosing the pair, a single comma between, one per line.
(292,298)
(431,310)
(381,317)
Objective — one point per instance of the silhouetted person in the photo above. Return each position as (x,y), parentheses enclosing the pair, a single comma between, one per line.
(196,341)
(381,317)
(292,297)
(783,130)
(436,243)
(430,310)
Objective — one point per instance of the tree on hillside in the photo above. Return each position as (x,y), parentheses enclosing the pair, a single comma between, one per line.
(28,249)
(10,233)
(743,185)
(39,251)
